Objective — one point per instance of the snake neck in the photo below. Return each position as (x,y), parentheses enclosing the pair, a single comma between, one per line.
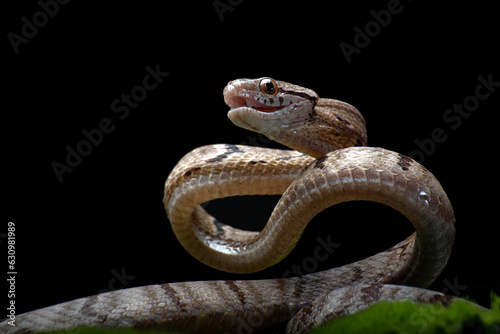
(329,126)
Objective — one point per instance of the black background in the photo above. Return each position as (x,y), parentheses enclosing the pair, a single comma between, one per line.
(107,216)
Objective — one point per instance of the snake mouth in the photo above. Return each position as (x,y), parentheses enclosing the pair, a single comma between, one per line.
(235,102)
(236,115)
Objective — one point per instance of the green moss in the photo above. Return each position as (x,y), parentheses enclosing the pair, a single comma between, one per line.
(405,317)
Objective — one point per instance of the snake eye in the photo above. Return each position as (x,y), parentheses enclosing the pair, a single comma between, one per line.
(268,87)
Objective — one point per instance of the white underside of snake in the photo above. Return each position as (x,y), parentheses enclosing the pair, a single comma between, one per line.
(329,164)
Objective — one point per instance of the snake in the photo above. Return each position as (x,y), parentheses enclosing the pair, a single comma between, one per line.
(327,162)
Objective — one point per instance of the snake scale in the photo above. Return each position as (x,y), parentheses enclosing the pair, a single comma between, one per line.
(329,163)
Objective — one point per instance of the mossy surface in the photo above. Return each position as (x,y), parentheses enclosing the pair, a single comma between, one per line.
(405,317)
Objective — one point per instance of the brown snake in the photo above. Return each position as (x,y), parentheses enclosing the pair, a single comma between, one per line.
(329,164)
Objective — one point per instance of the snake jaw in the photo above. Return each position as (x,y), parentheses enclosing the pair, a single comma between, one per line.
(258,111)
(237,101)
(262,107)
(246,113)
(237,117)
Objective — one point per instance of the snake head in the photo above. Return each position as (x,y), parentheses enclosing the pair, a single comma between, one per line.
(268,106)
(262,104)
(266,95)
(294,116)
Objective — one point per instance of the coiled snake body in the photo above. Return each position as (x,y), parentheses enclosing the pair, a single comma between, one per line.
(329,164)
